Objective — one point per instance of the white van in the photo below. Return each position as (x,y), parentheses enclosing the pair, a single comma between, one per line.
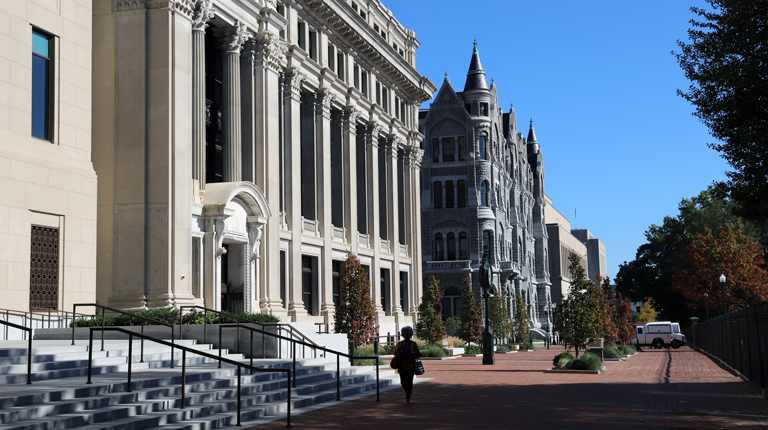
(659,334)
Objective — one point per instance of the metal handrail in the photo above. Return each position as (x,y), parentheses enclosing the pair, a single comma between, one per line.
(29,317)
(239,320)
(29,347)
(184,351)
(324,349)
(141,318)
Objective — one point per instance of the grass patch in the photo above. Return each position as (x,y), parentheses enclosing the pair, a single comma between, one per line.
(473,349)
(611,351)
(434,351)
(562,360)
(526,347)
(455,341)
(367,351)
(502,348)
(588,361)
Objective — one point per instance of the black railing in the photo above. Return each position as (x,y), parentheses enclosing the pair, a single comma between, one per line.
(36,318)
(103,321)
(737,339)
(29,346)
(293,346)
(184,351)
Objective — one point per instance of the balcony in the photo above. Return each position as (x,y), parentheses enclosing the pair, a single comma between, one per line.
(385,245)
(310,227)
(403,250)
(448,266)
(364,240)
(340,234)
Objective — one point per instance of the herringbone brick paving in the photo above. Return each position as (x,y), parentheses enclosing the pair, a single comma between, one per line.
(656,389)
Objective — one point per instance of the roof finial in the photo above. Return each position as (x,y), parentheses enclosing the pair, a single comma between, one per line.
(446,75)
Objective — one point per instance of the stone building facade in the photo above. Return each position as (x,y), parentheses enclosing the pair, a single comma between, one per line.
(483,189)
(47,182)
(246,148)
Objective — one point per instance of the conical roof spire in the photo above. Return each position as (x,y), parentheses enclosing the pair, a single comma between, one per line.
(532,134)
(476,75)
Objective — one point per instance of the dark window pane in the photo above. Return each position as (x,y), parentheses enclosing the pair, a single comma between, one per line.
(482,147)
(40,93)
(449,148)
(462,148)
(462,185)
(451,245)
(40,44)
(463,251)
(449,194)
(438,194)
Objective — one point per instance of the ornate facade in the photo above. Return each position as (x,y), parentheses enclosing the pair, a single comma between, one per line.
(245,148)
(483,191)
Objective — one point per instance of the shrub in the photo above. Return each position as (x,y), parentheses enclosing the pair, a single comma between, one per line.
(453,325)
(473,349)
(588,361)
(456,342)
(434,351)
(526,346)
(170,315)
(611,351)
(562,360)
(623,349)
(502,348)
(386,349)
(367,351)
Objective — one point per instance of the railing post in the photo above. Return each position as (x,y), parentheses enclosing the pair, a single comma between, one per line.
(183,376)
(173,344)
(29,360)
(264,345)
(219,346)
(239,350)
(142,342)
(377,378)
(205,326)
(90,354)
(376,347)
(181,323)
(74,307)
(130,359)
(238,395)
(338,377)
(294,363)
(352,352)
(288,386)
(103,321)
(251,355)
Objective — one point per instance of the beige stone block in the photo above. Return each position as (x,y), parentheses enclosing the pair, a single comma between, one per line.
(20,247)
(81,205)
(5,167)
(3,275)
(79,76)
(85,17)
(19,220)
(4,219)
(67,135)
(15,8)
(84,140)
(20,121)
(28,172)
(5,23)
(21,76)
(5,70)
(84,99)
(5,121)
(51,5)
(12,193)
(71,280)
(89,185)
(73,229)
(16,50)
(79,254)
(47,199)
(74,116)
(18,276)
(68,92)
(67,51)
(6,252)
(45,18)
(88,283)
(69,10)
(21,30)
(88,230)
(65,180)
(17,97)
(76,33)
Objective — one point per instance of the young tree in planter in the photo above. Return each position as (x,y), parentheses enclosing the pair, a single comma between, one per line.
(579,314)
(623,319)
(471,321)
(430,325)
(606,297)
(355,315)
(500,324)
(520,328)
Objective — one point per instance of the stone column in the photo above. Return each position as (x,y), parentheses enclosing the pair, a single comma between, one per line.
(349,148)
(200,20)
(414,172)
(324,199)
(231,41)
(292,105)
(248,110)
(392,198)
(372,166)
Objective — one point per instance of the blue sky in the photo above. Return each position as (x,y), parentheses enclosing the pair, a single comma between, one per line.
(599,80)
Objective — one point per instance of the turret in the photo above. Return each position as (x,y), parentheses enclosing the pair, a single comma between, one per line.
(476,75)
(533,143)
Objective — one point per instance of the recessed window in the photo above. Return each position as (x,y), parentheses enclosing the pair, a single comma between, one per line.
(435,150)
(461,186)
(451,246)
(463,250)
(42,84)
(439,247)
(437,189)
(301,28)
(483,152)
(484,193)
(313,45)
(449,149)
(356,77)
(364,83)
(483,109)
(331,57)
(462,148)
(449,194)
(340,72)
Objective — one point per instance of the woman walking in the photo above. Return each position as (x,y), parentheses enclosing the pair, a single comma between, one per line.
(406,353)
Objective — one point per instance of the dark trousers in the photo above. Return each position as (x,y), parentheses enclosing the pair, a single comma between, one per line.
(406,380)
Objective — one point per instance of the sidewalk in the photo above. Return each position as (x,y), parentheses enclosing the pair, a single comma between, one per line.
(656,389)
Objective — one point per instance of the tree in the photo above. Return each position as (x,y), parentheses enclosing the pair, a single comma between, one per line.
(520,328)
(727,64)
(605,298)
(646,312)
(623,318)
(579,315)
(730,252)
(471,321)
(430,325)
(499,317)
(355,315)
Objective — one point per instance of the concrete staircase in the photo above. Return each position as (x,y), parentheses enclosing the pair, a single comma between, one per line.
(59,397)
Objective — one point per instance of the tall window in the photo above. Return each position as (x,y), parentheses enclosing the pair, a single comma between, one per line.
(364,83)
(336,283)
(462,186)
(449,194)
(484,193)
(463,250)
(331,57)
(313,45)
(451,245)
(356,73)
(301,28)
(44,268)
(439,247)
(378,93)
(340,72)
(451,303)
(437,190)
(42,86)
(482,148)
(435,150)
(385,99)
(462,148)
(487,243)
(449,149)
(483,109)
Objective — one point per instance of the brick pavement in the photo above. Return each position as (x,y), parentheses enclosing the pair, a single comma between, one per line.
(656,389)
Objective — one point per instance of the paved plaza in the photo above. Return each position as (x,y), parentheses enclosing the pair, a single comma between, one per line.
(656,389)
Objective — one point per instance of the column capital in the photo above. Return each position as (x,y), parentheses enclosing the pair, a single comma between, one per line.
(323,103)
(413,156)
(270,51)
(349,119)
(372,131)
(202,14)
(231,39)
(392,145)
(292,82)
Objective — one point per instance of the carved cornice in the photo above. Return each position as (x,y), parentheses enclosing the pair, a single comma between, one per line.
(323,103)
(349,119)
(293,80)
(202,14)
(232,38)
(414,156)
(372,130)
(271,51)
(184,7)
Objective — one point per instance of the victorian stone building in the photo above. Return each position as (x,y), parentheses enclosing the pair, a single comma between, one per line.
(245,148)
(482,190)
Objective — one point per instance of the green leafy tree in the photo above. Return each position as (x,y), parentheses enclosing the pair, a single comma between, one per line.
(521,330)
(726,64)
(579,317)
(355,315)
(646,312)
(471,320)
(430,325)
(499,317)
(606,298)
(623,318)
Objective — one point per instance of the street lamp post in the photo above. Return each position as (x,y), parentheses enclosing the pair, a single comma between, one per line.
(485,283)
(722,281)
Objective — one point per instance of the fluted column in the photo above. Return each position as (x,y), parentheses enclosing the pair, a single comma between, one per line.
(231,41)
(349,157)
(372,169)
(393,200)
(248,111)
(200,20)
(414,173)
(324,206)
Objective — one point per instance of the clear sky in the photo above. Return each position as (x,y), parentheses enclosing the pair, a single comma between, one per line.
(620,148)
